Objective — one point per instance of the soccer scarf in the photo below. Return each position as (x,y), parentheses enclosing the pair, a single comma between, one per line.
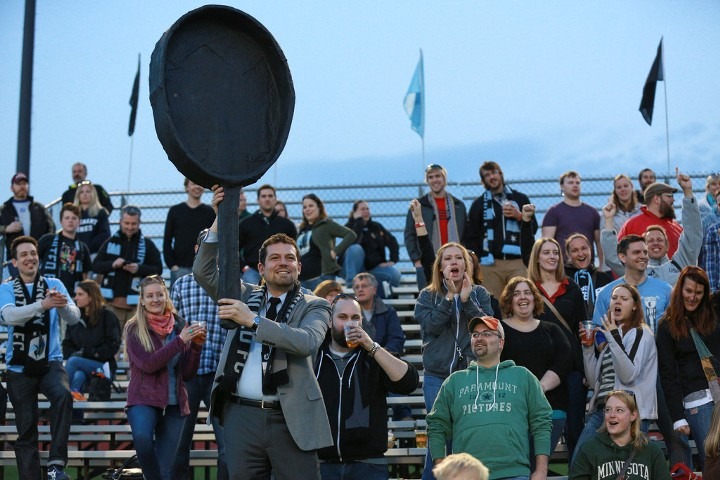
(511,240)
(275,360)
(31,341)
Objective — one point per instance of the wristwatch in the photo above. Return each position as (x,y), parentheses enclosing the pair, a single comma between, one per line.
(256,322)
(373,350)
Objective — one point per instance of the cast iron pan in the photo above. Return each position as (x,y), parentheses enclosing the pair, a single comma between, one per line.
(222,96)
(222,99)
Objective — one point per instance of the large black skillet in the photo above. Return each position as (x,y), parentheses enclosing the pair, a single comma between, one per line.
(223,100)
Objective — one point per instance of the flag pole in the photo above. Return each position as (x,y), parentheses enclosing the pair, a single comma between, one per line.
(133,113)
(667,126)
(422,167)
(132,142)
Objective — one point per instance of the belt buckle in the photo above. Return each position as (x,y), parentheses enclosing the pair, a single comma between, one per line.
(262,405)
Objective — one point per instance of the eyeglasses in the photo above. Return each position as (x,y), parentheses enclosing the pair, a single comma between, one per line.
(344,296)
(669,195)
(487,334)
(433,166)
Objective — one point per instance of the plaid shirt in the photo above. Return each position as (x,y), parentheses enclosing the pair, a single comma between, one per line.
(710,256)
(194,305)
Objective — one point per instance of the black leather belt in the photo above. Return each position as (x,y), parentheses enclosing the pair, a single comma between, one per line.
(264,404)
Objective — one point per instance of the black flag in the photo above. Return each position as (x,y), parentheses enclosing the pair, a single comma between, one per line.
(134,100)
(657,74)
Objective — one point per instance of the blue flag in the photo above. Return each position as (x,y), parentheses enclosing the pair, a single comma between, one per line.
(415,99)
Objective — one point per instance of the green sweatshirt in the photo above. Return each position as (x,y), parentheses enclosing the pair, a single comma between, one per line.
(488,412)
(600,459)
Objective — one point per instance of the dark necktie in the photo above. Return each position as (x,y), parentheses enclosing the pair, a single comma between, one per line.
(271,314)
(272,311)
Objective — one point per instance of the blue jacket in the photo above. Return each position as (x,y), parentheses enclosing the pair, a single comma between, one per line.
(385,328)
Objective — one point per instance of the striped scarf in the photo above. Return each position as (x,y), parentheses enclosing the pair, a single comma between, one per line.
(114,247)
(276,365)
(510,236)
(31,341)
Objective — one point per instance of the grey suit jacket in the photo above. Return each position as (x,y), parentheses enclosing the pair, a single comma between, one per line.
(301,398)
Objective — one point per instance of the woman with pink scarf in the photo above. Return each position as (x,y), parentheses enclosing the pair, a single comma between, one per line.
(163,351)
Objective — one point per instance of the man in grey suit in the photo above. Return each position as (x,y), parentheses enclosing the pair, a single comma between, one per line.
(265,392)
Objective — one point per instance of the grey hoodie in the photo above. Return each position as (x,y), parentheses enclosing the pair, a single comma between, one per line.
(665,269)
(445,336)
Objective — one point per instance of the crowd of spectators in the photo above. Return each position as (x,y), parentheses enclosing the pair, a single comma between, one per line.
(621,298)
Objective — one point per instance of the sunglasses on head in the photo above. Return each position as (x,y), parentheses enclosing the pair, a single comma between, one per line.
(130,210)
(343,296)
(151,279)
(627,392)
(433,166)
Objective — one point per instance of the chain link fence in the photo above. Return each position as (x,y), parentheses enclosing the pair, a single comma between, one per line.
(388,201)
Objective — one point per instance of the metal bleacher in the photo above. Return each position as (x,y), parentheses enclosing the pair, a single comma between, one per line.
(105,441)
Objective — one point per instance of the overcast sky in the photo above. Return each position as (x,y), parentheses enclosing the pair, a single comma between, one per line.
(539,87)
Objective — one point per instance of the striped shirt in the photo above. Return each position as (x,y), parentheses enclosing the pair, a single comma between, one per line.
(607,376)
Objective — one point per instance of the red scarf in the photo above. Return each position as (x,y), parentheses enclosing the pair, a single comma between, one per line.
(161,324)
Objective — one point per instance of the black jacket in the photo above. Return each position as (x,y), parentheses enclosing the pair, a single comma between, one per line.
(257,228)
(40,222)
(374,238)
(100,342)
(571,306)
(475,229)
(679,367)
(359,425)
(120,283)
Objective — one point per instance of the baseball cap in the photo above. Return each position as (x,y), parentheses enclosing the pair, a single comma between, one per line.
(657,188)
(490,322)
(18,177)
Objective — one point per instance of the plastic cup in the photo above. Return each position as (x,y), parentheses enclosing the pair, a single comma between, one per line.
(588,326)
(200,339)
(350,324)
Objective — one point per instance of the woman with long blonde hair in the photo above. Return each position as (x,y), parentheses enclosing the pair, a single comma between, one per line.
(564,305)
(94,226)
(620,449)
(625,199)
(443,310)
(163,351)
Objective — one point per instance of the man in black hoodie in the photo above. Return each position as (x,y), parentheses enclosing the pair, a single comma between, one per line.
(257,228)
(355,382)
(21,215)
